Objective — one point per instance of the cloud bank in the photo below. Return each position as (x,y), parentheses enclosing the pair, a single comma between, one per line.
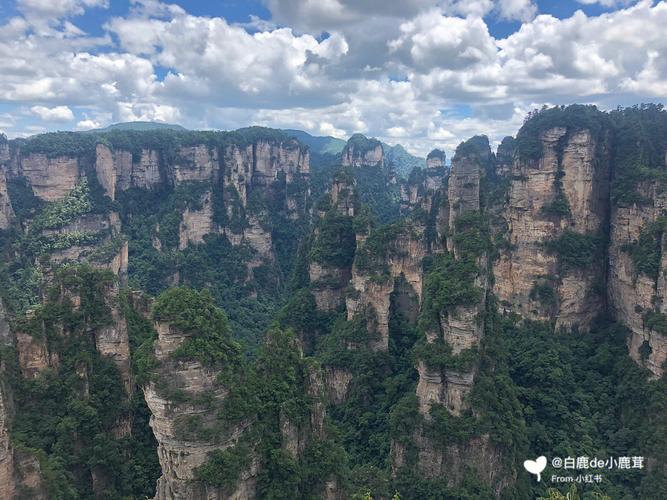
(424,73)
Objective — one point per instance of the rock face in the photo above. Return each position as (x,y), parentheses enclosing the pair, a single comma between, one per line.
(461,329)
(180,450)
(196,163)
(327,280)
(112,340)
(436,159)
(424,186)
(20,472)
(372,287)
(632,294)
(50,178)
(328,285)
(6,211)
(573,167)
(362,152)
(195,224)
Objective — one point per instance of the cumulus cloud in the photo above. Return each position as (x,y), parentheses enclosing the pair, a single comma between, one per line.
(55,114)
(211,57)
(521,10)
(433,40)
(87,124)
(400,71)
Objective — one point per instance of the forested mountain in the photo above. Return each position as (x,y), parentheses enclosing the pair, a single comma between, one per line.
(211,315)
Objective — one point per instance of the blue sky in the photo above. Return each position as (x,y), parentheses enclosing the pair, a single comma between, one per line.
(423,73)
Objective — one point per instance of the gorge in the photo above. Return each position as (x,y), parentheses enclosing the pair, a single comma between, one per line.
(213,315)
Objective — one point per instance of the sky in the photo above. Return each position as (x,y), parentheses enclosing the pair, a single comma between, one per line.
(422,73)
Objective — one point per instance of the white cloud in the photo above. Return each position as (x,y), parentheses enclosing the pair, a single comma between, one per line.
(55,114)
(87,124)
(401,71)
(433,40)
(522,10)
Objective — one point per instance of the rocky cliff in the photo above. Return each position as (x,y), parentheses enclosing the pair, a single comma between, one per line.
(379,331)
(361,151)
(180,395)
(563,195)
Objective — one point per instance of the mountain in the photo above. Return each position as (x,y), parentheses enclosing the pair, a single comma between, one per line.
(139,125)
(402,161)
(318,144)
(395,156)
(183,316)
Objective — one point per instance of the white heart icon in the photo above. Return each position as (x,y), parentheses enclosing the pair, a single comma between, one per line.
(536,466)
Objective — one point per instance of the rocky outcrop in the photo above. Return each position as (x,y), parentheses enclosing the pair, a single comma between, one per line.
(34,355)
(106,169)
(633,295)
(505,156)
(372,286)
(195,224)
(328,285)
(478,454)
(112,340)
(567,188)
(361,151)
(196,163)
(50,178)
(6,211)
(172,397)
(146,171)
(20,471)
(436,159)
(424,185)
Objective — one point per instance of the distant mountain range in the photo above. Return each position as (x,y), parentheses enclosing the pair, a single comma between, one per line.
(139,126)
(395,156)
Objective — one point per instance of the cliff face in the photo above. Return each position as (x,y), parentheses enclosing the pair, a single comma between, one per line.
(362,152)
(565,190)
(373,283)
(50,178)
(634,295)
(6,211)
(424,185)
(330,277)
(175,398)
(535,229)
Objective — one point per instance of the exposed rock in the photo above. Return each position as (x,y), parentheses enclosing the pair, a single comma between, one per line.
(328,285)
(106,169)
(180,454)
(34,355)
(505,156)
(6,211)
(196,163)
(631,293)
(337,382)
(343,196)
(112,340)
(362,152)
(582,166)
(436,159)
(195,224)
(146,172)
(50,178)
(373,293)
(478,454)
